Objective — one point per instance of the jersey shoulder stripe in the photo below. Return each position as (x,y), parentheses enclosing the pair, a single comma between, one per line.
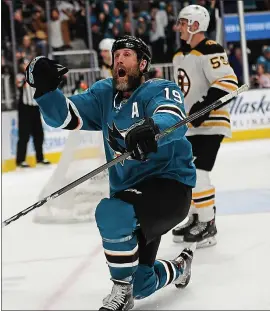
(183,50)
(207,47)
(178,52)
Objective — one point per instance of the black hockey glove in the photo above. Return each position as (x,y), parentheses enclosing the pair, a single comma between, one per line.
(213,94)
(44,75)
(197,107)
(140,139)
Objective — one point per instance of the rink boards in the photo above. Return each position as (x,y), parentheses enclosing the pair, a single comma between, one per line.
(250,119)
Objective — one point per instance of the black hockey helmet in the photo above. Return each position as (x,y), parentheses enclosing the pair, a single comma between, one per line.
(136,44)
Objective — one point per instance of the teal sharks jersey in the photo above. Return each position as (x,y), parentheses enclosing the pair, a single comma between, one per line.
(101,108)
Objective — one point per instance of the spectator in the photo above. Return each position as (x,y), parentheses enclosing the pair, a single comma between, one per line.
(29,121)
(264,60)
(263,69)
(67,11)
(264,80)
(29,7)
(39,27)
(59,31)
(105,20)
(27,50)
(20,28)
(143,27)
(235,60)
(80,26)
(170,34)
(64,7)
(56,31)
(127,24)
(157,33)
(118,25)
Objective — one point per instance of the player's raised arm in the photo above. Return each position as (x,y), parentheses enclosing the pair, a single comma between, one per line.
(80,111)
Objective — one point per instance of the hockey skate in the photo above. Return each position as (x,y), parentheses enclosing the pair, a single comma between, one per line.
(42,163)
(203,233)
(120,298)
(183,262)
(22,165)
(179,232)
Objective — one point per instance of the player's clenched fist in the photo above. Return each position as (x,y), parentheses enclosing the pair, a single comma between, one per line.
(44,75)
(140,139)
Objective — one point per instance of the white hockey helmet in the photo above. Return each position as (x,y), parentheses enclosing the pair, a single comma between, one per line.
(106,44)
(195,13)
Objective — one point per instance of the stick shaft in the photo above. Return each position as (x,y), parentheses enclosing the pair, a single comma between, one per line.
(124,156)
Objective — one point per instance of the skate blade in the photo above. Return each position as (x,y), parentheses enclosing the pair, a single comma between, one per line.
(211,241)
(178,238)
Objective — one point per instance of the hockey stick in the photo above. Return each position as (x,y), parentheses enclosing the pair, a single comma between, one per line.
(124,156)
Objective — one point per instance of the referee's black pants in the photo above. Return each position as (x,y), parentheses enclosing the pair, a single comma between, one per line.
(29,125)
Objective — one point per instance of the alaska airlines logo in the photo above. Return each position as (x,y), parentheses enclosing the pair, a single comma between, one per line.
(116,140)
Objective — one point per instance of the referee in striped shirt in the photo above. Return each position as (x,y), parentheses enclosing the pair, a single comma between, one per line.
(29,121)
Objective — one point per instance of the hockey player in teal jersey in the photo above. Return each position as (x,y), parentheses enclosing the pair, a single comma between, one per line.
(150,191)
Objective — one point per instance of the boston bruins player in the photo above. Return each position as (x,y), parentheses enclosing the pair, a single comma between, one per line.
(105,47)
(204,75)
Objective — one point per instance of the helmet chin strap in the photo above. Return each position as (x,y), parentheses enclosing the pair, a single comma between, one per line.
(189,38)
(191,33)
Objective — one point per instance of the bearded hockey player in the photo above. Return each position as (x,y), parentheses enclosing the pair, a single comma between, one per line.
(151,191)
(204,75)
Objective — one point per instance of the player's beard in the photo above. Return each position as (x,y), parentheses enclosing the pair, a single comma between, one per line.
(130,82)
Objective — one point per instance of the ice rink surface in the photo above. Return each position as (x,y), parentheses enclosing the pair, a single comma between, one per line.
(62,267)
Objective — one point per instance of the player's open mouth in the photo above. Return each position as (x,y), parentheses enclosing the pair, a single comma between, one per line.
(121,72)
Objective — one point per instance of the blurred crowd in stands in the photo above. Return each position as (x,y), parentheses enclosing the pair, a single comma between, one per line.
(153,21)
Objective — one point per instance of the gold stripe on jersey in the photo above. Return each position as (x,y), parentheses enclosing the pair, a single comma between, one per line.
(178,54)
(218,113)
(219,118)
(227,83)
(232,77)
(195,52)
(225,86)
(217,123)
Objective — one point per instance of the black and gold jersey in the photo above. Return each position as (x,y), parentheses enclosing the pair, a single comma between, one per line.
(196,71)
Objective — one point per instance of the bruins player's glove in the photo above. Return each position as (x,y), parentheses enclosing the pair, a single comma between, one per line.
(44,75)
(213,94)
(140,139)
(195,108)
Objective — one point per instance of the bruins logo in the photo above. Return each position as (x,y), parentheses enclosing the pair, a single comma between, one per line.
(183,81)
